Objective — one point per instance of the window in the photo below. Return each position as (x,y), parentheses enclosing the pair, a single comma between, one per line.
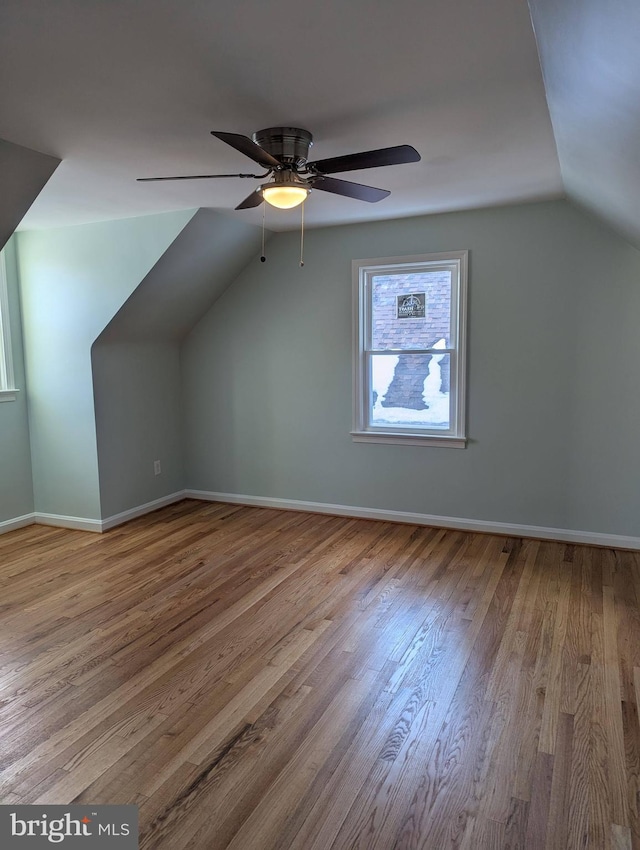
(7,386)
(409,350)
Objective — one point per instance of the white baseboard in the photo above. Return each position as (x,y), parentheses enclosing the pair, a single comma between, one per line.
(563,535)
(140,510)
(61,521)
(16,522)
(85,524)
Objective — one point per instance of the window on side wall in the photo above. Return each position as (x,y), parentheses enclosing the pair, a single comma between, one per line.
(409,350)
(7,386)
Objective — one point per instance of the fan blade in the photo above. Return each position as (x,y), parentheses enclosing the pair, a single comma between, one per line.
(351,190)
(367,159)
(252,200)
(198,177)
(248,147)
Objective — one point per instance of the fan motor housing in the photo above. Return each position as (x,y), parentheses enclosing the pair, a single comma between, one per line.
(289,145)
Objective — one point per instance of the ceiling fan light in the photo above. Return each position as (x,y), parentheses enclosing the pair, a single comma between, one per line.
(284,196)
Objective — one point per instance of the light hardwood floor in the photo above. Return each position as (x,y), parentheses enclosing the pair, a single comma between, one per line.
(256,679)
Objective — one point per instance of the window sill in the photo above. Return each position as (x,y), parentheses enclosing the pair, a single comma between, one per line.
(8,395)
(393,438)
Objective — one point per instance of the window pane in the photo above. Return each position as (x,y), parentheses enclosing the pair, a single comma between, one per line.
(411,310)
(6,371)
(410,390)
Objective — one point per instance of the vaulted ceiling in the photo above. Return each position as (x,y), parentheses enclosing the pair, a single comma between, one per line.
(591,61)
(132,88)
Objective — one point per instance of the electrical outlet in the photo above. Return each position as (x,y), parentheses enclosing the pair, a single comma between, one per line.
(157,469)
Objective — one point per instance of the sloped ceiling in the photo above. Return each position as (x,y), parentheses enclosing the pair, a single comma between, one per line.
(23,173)
(132,88)
(590,57)
(203,260)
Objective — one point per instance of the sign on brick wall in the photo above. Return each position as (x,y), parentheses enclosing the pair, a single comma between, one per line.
(411,306)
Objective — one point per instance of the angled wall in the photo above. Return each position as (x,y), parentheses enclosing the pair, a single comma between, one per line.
(553,360)
(136,360)
(73,280)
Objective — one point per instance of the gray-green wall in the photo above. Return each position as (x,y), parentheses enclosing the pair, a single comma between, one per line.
(16,489)
(73,280)
(553,407)
(138,421)
(257,400)
(23,173)
(136,374)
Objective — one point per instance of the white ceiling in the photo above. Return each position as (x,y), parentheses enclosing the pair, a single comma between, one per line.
(131,88)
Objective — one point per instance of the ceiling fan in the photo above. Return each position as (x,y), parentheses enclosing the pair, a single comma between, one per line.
(284,152)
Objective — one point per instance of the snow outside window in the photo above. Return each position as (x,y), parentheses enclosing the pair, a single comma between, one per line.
(409,349)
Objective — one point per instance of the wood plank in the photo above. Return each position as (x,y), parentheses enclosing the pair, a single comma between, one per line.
(553,691)
(254,678)
(613,708)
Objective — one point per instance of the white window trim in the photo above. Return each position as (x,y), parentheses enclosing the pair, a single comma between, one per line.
(363,434)
(8,391)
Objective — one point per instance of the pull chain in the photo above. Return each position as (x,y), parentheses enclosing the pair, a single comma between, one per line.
(263,259)
(302,234)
